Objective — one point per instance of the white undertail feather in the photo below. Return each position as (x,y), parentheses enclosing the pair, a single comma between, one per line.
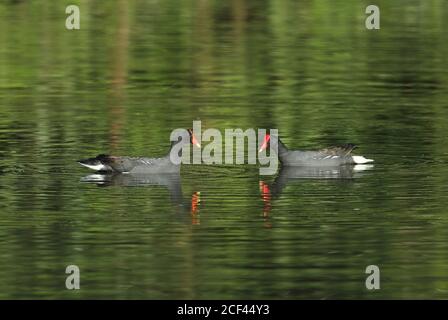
(94,177)
(362,167)
(97,167)
(361,159)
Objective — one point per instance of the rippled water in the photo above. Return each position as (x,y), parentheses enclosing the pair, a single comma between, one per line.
(309,68)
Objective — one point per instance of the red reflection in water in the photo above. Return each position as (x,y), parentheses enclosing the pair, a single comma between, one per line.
(266,197)
(195,201)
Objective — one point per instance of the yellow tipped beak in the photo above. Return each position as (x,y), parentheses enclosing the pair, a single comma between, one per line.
(263,146)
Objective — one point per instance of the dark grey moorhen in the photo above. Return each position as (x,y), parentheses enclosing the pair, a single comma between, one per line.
(332,156)
(139,165)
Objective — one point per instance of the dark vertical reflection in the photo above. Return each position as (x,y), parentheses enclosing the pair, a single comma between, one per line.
(119,75)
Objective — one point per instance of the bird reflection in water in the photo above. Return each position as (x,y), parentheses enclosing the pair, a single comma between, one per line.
(288,174)
(170,181)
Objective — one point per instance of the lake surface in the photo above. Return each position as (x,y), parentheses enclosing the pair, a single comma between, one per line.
(138,69)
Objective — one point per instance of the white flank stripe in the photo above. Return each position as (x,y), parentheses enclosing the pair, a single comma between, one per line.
(361,159)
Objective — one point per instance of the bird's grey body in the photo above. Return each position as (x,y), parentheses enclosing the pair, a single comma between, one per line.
(313,158)
(331,156)
(150,165)
(135,165)
(139,165)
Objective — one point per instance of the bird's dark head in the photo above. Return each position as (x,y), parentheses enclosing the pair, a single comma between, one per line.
(99,163)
